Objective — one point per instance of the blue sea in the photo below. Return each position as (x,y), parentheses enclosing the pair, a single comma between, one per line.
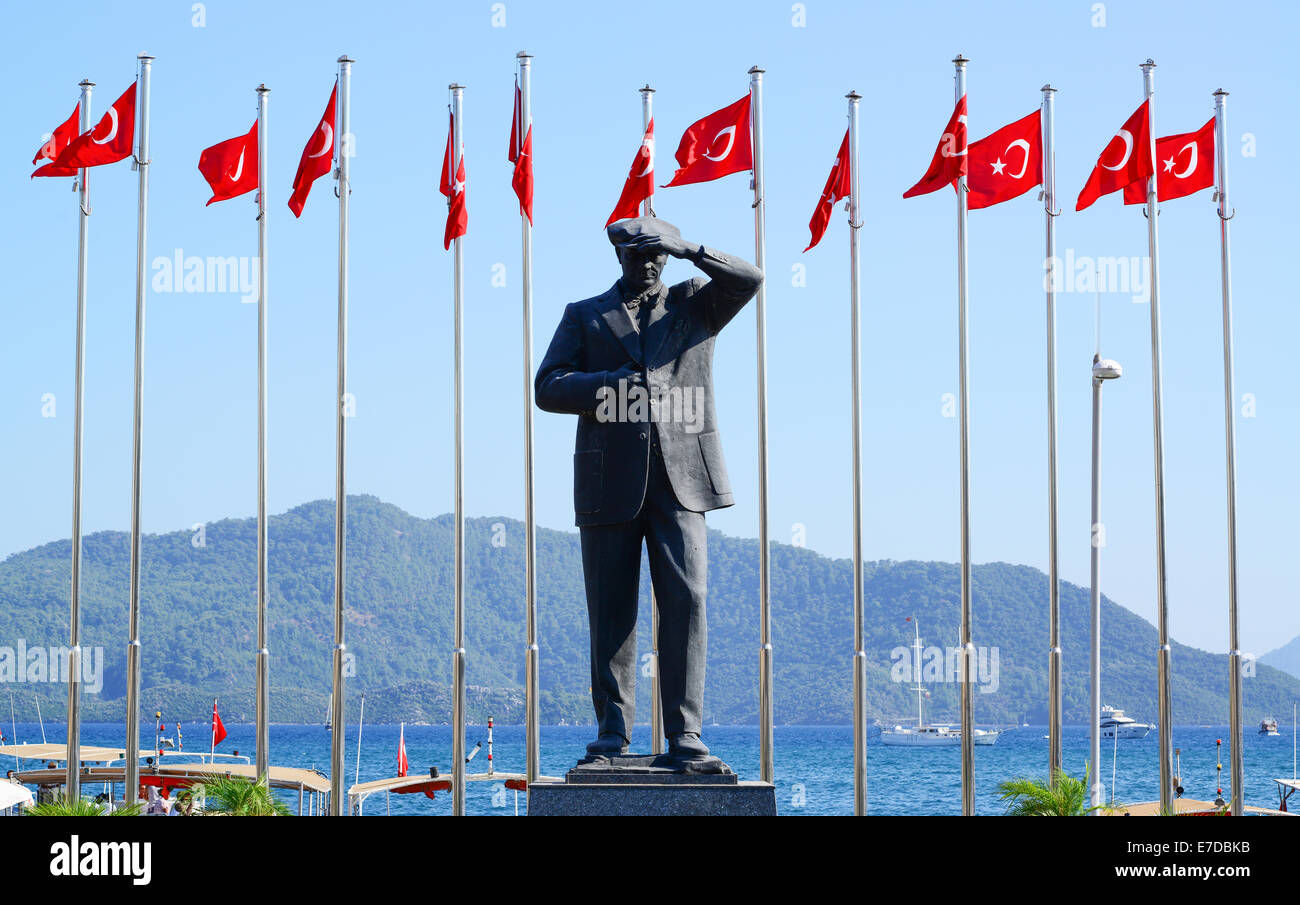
(813,763)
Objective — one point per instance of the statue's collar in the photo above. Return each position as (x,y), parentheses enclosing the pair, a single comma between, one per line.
(633,302)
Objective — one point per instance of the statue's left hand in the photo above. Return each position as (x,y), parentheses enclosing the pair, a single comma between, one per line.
(665,244)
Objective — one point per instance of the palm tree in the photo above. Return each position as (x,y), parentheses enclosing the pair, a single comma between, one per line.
(81,807)
(235,796)
(1065,797)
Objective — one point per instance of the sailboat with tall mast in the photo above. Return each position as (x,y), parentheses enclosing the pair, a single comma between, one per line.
(925,735)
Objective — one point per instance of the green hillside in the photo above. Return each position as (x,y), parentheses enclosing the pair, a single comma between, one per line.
(198,620)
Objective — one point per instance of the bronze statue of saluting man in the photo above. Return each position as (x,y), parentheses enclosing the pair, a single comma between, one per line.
(635,364)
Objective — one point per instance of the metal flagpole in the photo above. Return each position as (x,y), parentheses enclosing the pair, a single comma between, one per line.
(1101,372)
(1054,759)
(1230,437)
(1162,600)
(532,656)
(361,722)
(458,652)
(859,638)
(766,768)
(73,780)
(342,149)
(263,655)
(963,336)
(656,704)
(132,764)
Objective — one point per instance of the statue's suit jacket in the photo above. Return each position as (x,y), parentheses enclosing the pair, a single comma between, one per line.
(595,339)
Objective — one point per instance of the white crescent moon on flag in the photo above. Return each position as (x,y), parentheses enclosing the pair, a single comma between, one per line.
(239,167)
(112,113)
(1024,164)
(949,138)
(730,132)
(1127,138)
(1191,164)
(328,131)
(649,147)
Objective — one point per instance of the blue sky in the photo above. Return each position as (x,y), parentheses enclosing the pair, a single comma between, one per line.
(591,58)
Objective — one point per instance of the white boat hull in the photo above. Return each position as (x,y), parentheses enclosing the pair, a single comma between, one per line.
(910,738)
(1127,731)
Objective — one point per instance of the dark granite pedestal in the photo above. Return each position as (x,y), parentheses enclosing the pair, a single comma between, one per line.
(643,785)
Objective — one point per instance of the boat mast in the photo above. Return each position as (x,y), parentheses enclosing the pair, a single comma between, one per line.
(916,673)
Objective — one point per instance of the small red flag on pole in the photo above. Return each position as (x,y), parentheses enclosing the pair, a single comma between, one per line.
(403,765)
(218,729)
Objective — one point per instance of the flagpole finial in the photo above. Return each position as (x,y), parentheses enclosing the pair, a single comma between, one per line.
(1048,89)
(85,83)
(960,60)
(455,86)
(755,70)
(346,59)
(647,89)
(853,96)
(144,56)
(262,89)
(1220,93)
(523,55)
(1149,64)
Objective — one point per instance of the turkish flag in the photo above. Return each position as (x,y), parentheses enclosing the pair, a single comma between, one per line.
(218,728)
(111,140)
(949,159)
(1006,164)
(522,181)
(317,157)
(1184,164)
(716,146)
(457,213)
(640,182)
(403,765)
(59,139)
(838,185)
(231,166)
(1125,160)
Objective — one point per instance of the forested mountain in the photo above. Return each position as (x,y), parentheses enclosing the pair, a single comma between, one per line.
(198,622)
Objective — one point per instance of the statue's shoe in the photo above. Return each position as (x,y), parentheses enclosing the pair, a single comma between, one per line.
(608,743)
(687,744)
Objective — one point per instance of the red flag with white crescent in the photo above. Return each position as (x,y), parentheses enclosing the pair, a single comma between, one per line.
(716,146)
(640,182)
(1006,164)
(838,185)
(949,161)
(1184,164)
(1125,159)
(230,167)
(317,157)
(59,139)
(457,213)
(111,140)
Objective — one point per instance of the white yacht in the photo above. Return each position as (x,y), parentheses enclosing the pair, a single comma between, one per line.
(1114,724)
(1268,726)
(935,736)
